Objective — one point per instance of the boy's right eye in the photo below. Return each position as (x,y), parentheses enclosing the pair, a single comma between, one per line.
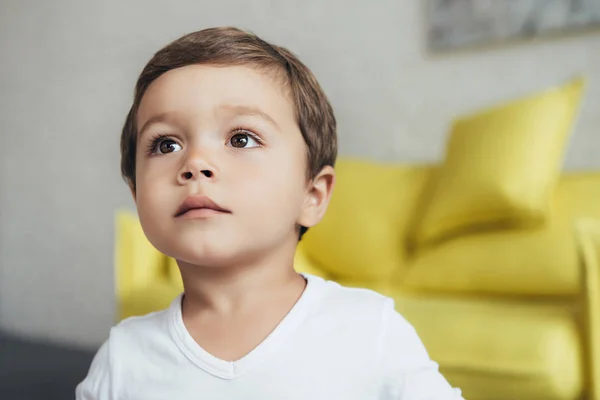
(162,145)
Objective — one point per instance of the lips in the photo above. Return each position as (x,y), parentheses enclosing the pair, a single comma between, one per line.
(193,203)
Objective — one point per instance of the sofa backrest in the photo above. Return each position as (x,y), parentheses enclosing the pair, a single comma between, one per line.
(365,234)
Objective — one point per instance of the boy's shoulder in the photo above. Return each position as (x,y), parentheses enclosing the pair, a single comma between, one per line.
(337,295)
(154,326)
(350,304)
(151,320)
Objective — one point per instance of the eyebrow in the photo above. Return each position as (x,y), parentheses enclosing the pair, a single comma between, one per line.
(231,108)
(249,111)
(162,117)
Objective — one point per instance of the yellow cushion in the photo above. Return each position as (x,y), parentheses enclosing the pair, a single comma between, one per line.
(523,262)
(362,233)
(516,262)
(501,165)
(495,349)
(578,195)
(588,235)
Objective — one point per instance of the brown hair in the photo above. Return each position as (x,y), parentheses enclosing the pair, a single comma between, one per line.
(231,46)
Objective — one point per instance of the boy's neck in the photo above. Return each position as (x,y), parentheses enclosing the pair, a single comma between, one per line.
(240,288)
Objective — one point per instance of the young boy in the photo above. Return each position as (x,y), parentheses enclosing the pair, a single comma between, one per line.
(229,150)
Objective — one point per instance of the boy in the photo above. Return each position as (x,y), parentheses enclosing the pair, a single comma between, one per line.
(229,150)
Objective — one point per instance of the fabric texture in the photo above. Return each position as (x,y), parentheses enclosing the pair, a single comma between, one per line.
(335,343)
(501,165)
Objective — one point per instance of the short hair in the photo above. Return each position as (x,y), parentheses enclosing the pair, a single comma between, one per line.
(231,46)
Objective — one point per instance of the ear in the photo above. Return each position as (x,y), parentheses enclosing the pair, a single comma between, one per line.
(317,198)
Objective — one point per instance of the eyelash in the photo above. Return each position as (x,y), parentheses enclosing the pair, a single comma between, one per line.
(156,140)
(245,131)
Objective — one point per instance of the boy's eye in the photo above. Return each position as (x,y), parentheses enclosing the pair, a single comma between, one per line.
(243,140)
(167,146)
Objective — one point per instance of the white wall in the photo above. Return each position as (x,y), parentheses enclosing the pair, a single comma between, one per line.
(67,72)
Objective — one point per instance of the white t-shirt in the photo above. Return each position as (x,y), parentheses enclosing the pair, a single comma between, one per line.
(335,343)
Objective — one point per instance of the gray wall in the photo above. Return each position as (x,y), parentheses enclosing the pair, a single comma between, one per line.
(67,69)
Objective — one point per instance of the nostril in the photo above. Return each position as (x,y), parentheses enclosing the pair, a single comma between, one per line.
(207,173)
(187,175)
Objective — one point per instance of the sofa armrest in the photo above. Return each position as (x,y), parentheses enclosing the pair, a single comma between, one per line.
(587,233)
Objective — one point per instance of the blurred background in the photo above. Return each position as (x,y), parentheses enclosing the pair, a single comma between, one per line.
(392,70)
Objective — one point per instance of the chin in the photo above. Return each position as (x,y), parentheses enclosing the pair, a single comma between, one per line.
(208,254)
(213,249)
(207,260)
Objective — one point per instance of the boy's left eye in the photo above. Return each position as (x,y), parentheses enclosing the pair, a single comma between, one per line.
(243,140)
(165,146)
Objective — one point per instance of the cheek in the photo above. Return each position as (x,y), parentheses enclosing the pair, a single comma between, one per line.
(155,171)
(153,209)
(273,186)
(149,181)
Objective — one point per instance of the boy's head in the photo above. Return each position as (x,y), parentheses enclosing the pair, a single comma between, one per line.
(225,121)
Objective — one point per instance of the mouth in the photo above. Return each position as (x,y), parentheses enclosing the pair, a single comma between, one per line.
(198,207)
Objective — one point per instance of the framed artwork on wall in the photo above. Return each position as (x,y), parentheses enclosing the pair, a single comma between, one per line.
(457,24)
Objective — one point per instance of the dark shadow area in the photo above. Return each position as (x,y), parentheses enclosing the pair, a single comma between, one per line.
(34,370)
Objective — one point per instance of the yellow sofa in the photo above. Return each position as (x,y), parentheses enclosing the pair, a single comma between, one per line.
(507,313)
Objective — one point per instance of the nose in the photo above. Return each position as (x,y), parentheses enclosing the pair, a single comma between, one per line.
(197,167)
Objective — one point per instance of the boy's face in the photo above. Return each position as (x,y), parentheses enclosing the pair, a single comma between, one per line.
(226,135)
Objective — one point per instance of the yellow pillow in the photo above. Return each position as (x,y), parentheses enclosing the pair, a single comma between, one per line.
(530,262)
(588,237)
(501,165)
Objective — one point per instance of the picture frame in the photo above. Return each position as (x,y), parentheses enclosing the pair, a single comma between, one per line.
(461,24)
